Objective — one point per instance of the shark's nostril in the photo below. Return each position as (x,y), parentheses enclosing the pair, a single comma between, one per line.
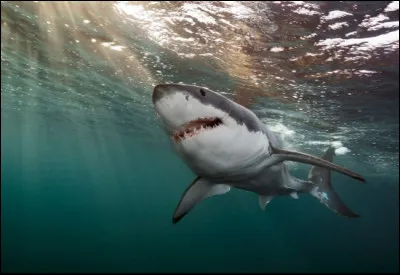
(156,96)
(158,92)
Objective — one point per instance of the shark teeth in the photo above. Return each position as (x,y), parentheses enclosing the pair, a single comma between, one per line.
(195,127)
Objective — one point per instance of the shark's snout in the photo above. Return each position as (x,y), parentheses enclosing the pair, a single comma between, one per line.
(159,92)
(187,110)
(162,90)
(170,102)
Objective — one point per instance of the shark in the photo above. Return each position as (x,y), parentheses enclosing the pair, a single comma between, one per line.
(227,146)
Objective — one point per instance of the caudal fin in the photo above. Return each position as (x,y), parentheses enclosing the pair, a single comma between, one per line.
(323,190)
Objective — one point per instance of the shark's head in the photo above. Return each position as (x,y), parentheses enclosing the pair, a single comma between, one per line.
(187,110)
(205,126)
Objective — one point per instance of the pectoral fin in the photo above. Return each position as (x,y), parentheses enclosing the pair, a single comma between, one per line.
(279,155)
(196,192)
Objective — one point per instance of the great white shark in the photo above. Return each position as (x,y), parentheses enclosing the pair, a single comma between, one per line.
(227,146)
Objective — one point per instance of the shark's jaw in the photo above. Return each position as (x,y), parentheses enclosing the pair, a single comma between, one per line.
(211,141)
(195,127)
(184,115)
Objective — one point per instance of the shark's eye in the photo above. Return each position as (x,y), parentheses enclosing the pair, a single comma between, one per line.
(203,93)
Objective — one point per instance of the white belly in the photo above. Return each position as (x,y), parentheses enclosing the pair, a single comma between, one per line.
(224,151)
(269,181)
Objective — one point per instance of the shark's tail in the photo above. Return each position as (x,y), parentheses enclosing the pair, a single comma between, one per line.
(322,188)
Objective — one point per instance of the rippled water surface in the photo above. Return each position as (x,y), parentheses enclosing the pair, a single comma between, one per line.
(90,181)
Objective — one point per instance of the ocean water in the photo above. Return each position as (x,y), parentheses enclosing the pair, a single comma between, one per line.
(89,180)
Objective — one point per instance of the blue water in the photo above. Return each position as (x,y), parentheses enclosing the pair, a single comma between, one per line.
(89,180)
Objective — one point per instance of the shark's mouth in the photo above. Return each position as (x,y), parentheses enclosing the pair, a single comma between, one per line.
(195,127)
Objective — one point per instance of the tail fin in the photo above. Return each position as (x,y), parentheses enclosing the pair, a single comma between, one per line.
(323,190)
